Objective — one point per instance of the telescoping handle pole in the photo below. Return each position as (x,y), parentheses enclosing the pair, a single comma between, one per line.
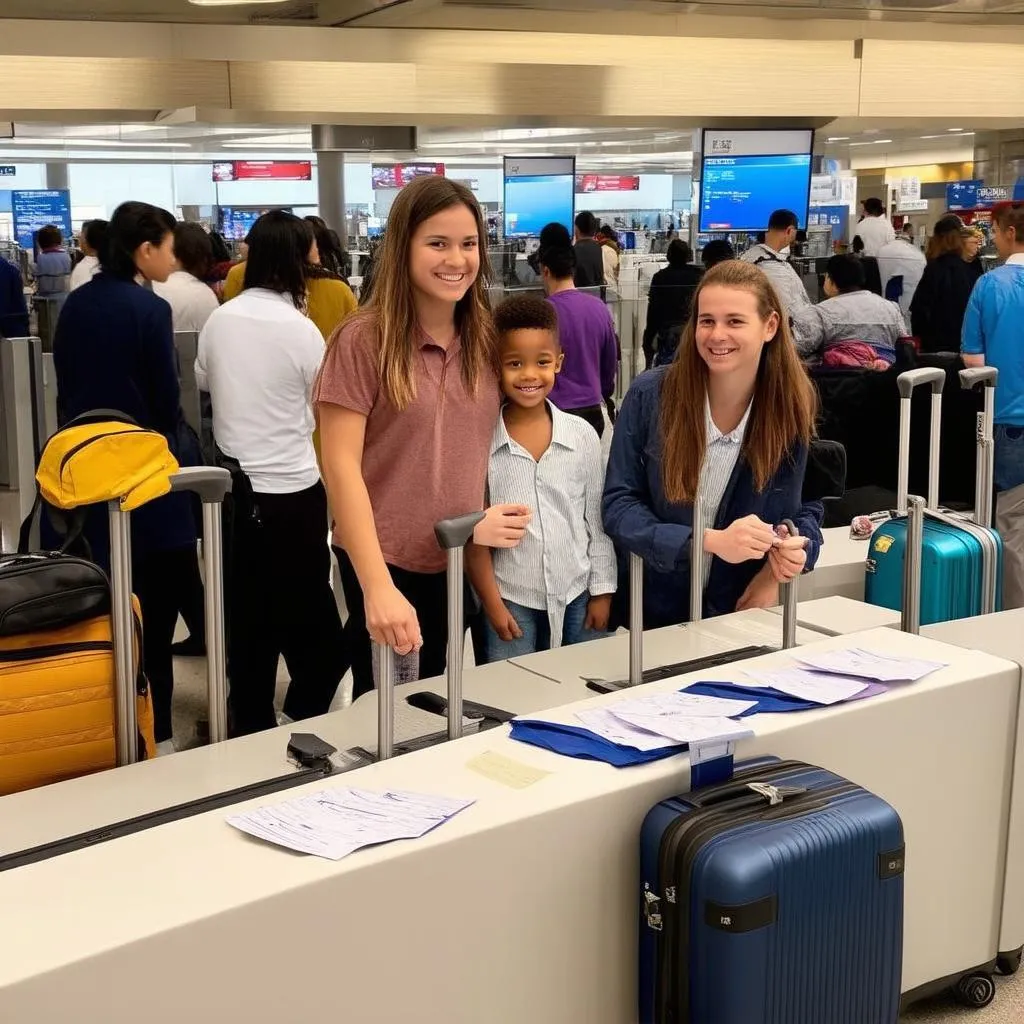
(910,618)
(123,626)
(906,382)
(212,483)
(790,595)
(636,619)
(453,535)
(985,377)
(697,562)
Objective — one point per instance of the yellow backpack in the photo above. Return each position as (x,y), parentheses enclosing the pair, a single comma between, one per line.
(104,456)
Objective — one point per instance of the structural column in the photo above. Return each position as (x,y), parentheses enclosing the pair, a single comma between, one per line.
(57,176)
(330,187)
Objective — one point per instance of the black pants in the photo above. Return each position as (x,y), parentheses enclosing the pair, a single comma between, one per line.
(593,414)
(426,592)
(159,579)
(282,604)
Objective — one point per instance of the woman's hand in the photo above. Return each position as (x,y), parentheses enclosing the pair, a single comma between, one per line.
(761,592)
(742,540)
(503,526)
(391,620)
(788,558)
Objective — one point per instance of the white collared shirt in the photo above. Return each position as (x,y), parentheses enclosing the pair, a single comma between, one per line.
(720,457)
(259,358)
(565,551)
(875,232)
(782,275)
(192,302)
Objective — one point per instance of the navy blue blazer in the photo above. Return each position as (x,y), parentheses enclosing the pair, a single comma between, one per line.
(13,307)
(640,519)
(114,349)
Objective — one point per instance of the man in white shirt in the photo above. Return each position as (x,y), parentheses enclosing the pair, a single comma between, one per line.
(781,233)
(901,258)
(875,229)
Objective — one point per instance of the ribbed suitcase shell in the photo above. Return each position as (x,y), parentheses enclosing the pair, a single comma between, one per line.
(832,955)
(951,571)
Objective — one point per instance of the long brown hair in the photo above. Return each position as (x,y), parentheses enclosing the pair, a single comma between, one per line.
(784,404)
(391,311)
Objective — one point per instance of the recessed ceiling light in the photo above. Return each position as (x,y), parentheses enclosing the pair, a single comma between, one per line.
(873,142)
(954,129)
(839,138)
(232,3)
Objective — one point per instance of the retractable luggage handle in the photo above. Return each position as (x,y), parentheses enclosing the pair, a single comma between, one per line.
(985,377)
(452,535)
(910,614)
(211,484)
(907,382)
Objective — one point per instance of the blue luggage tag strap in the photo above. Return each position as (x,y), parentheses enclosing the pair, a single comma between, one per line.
(711,762)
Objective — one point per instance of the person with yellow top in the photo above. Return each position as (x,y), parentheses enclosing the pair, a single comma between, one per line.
(329,300)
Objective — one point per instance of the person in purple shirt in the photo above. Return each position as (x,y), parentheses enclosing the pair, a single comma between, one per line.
(587,336)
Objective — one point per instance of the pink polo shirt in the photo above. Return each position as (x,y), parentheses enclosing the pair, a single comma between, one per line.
(425,463)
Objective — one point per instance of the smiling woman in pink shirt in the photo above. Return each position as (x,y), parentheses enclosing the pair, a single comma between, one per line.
(407,402)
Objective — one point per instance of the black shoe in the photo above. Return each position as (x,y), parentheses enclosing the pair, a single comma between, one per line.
(189,648)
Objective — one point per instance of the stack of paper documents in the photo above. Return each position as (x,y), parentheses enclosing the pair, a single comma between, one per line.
(335,822)
(882,668)
(645,723)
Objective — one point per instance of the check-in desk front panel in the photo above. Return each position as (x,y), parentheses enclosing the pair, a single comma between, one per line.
(524,907)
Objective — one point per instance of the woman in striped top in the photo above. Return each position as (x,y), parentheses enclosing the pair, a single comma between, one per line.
(730,421)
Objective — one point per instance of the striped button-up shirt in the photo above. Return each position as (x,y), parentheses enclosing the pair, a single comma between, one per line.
(565,551)
(720,457)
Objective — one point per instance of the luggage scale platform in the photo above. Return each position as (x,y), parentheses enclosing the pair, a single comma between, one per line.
(505,875)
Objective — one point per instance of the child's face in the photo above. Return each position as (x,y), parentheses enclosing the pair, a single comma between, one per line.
(530,359)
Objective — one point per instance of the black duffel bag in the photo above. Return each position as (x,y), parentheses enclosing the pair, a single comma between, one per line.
(40,592)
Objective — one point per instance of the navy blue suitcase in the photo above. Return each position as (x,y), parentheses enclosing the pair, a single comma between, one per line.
(773,898)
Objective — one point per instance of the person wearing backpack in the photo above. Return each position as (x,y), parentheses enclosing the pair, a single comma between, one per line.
(113,349)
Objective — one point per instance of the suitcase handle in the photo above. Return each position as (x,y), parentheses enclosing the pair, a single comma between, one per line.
(987,378)
(910,613)
(906,383)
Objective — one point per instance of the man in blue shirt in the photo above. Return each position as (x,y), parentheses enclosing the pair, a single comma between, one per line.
(993,335)
(13,308)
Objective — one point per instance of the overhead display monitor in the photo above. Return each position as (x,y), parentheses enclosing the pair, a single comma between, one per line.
(235,222)
(263,170)
(538,191)
(747,175)
(607,183)
(35,208)
(399,175)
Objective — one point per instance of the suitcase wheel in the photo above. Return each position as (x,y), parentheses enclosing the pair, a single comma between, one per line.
(1009,963)
(975,990)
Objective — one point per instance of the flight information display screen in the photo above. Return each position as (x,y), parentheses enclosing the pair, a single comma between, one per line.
(740,193)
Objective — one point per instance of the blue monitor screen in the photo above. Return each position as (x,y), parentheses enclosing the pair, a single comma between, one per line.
(534,200)
(962,195)
(35,208)
(740,193)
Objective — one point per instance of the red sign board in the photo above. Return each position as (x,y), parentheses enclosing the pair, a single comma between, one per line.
(399,175)
(263,170)
(607,183)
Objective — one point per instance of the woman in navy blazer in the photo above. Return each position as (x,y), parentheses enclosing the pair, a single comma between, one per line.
(114,349)
(731,419)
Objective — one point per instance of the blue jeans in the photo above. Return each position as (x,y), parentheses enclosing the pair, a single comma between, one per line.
(536,631)
(1009,469)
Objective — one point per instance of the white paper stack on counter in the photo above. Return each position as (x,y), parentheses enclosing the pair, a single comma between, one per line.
(336,822)
(664,719)
(871,665)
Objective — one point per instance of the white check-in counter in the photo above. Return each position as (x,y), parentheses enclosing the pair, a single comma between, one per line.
(523,907)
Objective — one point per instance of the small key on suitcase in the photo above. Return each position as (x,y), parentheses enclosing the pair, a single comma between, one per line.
(773,898)
(961,560)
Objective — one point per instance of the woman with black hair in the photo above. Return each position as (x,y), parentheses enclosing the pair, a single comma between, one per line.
(668,306)
(329,300)
(114,349)
(259,356)
(332,253)
(191,300)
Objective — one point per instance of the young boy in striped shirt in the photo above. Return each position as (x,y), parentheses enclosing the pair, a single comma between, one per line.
(555,587)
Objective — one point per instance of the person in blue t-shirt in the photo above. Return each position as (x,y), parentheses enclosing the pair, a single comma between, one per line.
(993,335)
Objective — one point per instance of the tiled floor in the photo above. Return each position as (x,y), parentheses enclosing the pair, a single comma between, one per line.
(1007,1008)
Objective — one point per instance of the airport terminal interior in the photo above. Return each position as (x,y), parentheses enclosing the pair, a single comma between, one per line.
(256,479)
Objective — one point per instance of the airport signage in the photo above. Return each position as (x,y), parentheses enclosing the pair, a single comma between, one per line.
(263,170)
(607,183)
(973,195)
(399,175)
(35,208)
(7,170)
